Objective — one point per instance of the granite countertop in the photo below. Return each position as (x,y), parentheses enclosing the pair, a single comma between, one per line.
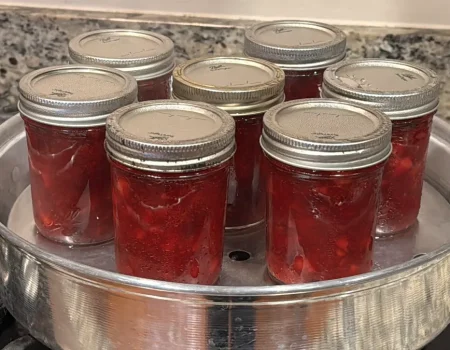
(35,38)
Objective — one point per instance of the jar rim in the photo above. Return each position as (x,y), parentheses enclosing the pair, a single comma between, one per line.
(296,44)
(326,134)
(154,59)
(413,90)
(75,95)
(238,85)
(170,136)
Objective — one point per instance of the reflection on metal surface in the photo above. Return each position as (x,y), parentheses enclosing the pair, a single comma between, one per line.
(69,304)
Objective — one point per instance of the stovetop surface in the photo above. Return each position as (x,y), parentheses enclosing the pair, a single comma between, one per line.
(14,337)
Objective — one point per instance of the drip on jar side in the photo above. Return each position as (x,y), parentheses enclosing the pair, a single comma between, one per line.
(246,192)
(155,89)
(401,189)
(303,84)
(320,224)
(169,226)
(70,183)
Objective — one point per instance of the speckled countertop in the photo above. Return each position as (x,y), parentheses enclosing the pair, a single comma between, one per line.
(34,38)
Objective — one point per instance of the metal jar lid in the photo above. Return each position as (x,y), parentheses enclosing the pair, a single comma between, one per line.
(400,89)
(238,85)
(296,45)
(75,96)
(325,134)
(143,54)
(170,136)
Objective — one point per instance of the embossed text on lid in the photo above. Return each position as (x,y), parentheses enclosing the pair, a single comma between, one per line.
(326,134)
(141,53)
(238,85)
(296,44)
(170,135)
(75,96)
(400,89)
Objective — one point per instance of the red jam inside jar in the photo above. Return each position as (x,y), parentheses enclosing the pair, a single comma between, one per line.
(323,183)
(65,129)
(401,189)
(302,49)
(147,56)
(245,88)
(302,84)
(168,226)
(155,89)
(169,189)
(409,95)
(70,183)
(320,224)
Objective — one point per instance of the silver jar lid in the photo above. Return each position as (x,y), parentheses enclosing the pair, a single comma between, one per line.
(75,96)
(400,89)
(238,85)
(323,134)
(170,136)
(296,45)
(143,54)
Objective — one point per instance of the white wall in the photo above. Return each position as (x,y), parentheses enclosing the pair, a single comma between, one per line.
(410,13)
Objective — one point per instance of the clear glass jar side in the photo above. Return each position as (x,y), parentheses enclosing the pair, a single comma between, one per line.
(168,225)
(320,224)
(303,84)
(158,88)
(246,191)
(401,189)
(70,183)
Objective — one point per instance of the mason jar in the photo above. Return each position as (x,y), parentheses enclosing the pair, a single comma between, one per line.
(325,162)
(302,49)
(65,109)
(409,95)
(147,56)
(245,88)
(170,163)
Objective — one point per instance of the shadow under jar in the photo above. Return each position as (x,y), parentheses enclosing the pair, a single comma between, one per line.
(409,95)
(245,88)
(170,163)
(324,166)
(302,49)
(147,56)
(64,109)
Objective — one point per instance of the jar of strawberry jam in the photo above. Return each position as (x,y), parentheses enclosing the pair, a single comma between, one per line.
(170,163)
(64,109)
(302,49)
(245,88)
(409,95)
(324,165)
(147,56)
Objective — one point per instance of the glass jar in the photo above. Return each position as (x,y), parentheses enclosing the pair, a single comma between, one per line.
(409,95)
(170,164)
(324,166)
(64,109)
(245,88)
(147,56)
(302,49)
